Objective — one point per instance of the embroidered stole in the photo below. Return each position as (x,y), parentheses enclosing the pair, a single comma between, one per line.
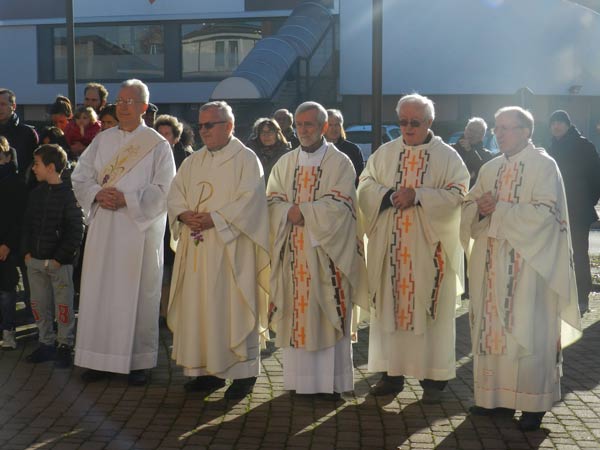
(492,339)
(412,166)
(306,182)
(131,153)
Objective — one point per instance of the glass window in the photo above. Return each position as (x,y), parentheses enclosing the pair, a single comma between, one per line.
(215,49)
(112,52)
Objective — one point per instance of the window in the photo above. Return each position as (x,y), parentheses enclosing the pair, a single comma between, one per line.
(112,52)
(215,49)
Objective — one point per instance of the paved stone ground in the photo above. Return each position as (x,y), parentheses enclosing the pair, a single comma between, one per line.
(46,408)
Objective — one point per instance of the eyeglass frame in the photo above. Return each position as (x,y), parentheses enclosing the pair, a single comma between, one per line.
(127,101)
(414,123)
(209,125)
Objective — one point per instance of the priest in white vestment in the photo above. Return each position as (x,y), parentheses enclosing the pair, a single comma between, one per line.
(317,265)
(218,216)
(523,292)
(121,181)
(410,195)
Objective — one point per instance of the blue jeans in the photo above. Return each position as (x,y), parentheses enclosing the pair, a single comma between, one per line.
(8,304)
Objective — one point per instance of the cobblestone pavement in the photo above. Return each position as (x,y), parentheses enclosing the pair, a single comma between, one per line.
(46,408)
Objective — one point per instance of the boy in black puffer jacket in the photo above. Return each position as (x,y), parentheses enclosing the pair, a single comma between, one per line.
(52,236)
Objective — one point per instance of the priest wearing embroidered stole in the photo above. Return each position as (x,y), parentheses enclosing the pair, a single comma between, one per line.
(121,182)
(410,195)
(317,267)
(523,292)
(218,215)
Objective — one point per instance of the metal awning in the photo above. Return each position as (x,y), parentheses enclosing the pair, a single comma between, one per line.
(261,72)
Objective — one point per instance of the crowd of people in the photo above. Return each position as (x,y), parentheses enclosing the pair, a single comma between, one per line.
(266,240)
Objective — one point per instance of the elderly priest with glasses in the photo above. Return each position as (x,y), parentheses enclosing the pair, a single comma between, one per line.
(121,182)
(523,291)
(218,215)
(410,195)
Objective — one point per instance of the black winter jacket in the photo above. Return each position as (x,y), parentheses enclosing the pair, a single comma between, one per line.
(579,165)
(352,151)
(53,224)
(23,139)
(14,198)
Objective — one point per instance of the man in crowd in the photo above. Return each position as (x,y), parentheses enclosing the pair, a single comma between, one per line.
(286,121)
(121,181)
(579,165)
(95,95)
(21,137)
(470,147)
(410,195)
(218,215)
(317,267)
(522,280)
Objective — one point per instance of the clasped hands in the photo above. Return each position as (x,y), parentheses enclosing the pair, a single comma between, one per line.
(486,204)
(295,216)
(403,198)
(110,198)
(197,221)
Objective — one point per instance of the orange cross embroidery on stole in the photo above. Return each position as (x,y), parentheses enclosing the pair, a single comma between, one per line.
(407,223)
(508,176)
(412,163)
(404,286)
(405,255)
(300,241)
(306,179)
(302,336)
(301,273)
(302,304)
(496,342)
(402,318)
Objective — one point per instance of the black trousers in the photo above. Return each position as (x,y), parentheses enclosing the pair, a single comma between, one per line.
(580,237)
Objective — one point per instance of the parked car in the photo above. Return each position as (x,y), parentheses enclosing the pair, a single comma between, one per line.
(489,141)
(362,135)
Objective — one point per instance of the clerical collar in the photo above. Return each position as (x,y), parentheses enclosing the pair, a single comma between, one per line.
(316,146)
(215,150)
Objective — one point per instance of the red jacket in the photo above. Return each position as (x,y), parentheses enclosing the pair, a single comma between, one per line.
(73,134)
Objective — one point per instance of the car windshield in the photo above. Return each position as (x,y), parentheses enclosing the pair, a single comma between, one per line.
(359,137)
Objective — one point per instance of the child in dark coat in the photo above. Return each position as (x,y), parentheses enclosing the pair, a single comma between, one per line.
(52,237)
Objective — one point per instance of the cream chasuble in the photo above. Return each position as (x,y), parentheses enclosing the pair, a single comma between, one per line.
(218,303)
(414,258)
(522,284)
(117,328)
(317,269)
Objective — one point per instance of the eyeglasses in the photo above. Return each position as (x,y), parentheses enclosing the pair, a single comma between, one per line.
(503,129)
(413,123)
(126,101)
(209,125)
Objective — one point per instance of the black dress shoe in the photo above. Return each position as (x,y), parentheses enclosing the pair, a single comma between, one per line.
(91,375)
(498,412)
(138,377)
(204,383)
(388,385)
(240,388)
(331,397)
(531,421)
(431,396)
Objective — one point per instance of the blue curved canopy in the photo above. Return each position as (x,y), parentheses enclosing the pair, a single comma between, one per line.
(262,70)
